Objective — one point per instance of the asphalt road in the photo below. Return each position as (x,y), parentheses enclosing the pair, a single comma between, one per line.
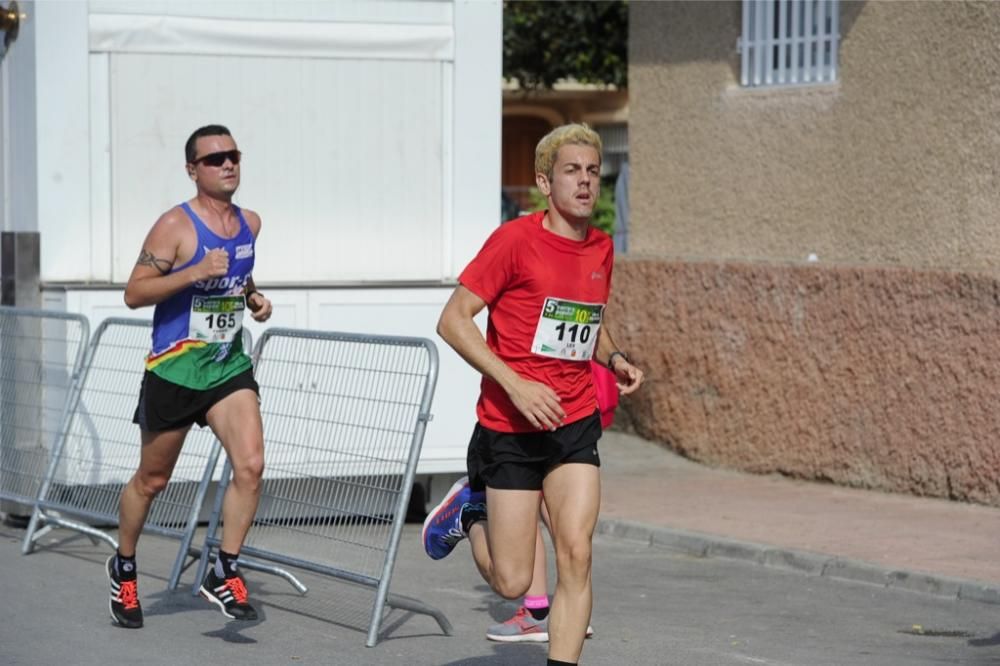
(651,607)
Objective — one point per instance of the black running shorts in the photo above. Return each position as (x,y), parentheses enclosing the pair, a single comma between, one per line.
(521,460)
(164,405)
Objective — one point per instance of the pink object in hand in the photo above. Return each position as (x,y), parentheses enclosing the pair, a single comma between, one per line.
(607,392)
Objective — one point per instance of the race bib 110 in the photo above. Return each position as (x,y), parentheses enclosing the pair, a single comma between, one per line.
(567,329)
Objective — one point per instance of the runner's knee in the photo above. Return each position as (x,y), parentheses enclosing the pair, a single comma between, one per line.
(248,470)
(574,559)
(510,583)
(150,484)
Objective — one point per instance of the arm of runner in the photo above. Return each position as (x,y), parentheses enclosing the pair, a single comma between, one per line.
(152,281)
(260,307)
(537,402)
(627,375)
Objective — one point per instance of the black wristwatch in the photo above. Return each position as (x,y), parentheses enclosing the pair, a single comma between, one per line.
(611,359)
(246,297)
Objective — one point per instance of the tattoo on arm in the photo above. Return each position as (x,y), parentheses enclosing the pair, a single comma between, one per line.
(146,258)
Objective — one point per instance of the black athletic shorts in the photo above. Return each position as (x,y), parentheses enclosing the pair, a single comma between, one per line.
(521,460)
(164,405)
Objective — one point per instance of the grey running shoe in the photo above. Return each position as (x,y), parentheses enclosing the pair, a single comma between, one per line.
(523,628)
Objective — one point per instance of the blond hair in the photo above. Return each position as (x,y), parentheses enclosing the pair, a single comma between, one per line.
(548,148)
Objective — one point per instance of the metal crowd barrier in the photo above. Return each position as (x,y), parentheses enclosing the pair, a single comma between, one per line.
(99,447)
(41,354)
(344,419)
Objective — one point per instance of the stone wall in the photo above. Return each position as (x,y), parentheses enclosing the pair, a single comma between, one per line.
(867,377)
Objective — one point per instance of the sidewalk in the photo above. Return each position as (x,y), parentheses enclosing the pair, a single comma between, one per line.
(925,545)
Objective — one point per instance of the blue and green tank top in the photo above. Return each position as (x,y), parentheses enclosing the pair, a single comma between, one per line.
(198,332)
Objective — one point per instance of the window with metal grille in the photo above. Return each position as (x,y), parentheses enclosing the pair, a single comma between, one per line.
(789,42)
(614,141)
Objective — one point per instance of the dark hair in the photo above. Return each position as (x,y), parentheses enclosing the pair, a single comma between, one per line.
(207,130)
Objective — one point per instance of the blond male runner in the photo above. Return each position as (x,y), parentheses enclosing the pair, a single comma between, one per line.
(196,267)
(545,279)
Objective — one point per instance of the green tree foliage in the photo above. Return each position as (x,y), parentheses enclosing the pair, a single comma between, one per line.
(547,41)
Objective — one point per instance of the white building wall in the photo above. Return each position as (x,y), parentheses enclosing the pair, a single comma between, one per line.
(342,159)
(63,126)
(476,127)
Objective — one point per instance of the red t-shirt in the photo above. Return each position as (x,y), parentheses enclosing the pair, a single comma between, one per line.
(521,270)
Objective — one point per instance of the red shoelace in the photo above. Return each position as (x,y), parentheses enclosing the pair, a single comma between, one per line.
(239,590)
(129,594)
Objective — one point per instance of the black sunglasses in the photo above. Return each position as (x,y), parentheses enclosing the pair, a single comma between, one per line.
(218,159)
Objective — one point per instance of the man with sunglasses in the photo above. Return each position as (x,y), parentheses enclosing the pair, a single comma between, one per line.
(196,267)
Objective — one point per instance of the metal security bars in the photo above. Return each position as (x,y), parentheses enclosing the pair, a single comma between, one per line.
(344,419)
(41,354)
(789,42)
(99,450)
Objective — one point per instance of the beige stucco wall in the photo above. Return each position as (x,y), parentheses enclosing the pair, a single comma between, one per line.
(868,377)
(876,365)
(897,164)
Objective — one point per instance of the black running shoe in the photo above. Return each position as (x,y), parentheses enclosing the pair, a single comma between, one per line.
(229,594)
(125,609)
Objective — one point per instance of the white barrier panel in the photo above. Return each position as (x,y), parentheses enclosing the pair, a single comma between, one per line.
(41,354)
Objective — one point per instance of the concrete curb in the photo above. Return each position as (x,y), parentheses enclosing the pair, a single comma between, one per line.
(789,559)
